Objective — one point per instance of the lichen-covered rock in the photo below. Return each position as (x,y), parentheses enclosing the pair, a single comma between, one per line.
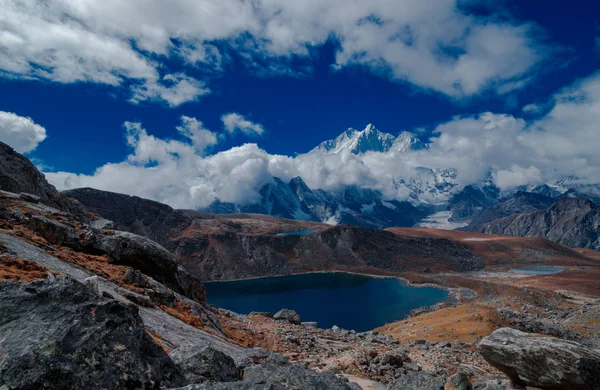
(206,364)
(542,362)
(57,334)
(288,315)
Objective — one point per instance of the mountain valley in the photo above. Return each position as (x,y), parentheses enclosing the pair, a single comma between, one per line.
(142,264)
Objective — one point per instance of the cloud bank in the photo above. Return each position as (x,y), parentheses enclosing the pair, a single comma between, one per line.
(561,144)
(22,133)
(435,45)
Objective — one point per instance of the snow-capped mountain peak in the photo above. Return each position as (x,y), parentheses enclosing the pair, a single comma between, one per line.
(407,141)
(370,140)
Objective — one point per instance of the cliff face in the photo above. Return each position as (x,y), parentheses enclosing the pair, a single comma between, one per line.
(18,174)
(145,217)
(573,222)
(246,245)
(520,203)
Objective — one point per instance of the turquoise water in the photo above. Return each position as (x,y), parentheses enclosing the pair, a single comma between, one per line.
(538,270)
(348,301)
(297,233)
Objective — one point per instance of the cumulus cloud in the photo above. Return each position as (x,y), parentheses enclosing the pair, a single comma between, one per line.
(435,45)
(22,133)
(562,143)
(173,89)
(235,122)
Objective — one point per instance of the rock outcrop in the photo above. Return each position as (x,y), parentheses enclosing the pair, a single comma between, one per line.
(206,364)
(19,175)
(133,214)
(287,315)
(574,222)
(123,248)
(417,381)
(542,362)
(145,255)
(58,334)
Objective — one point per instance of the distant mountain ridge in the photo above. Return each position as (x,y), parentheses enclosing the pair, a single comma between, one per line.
(573,222)
(354,205)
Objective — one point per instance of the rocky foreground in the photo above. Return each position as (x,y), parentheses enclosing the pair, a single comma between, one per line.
(84,305)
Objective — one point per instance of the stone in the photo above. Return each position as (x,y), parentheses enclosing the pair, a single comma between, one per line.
(92,284)
(412,366)
(288,315)
(27,197)
(54,232)
(460,381)
(262,313)
(205,364)
(102,224)
(417,381)
(543,362)
(336,329)
(57,334)
(310,324)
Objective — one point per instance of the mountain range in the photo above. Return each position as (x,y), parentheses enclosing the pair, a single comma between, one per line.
(433,197)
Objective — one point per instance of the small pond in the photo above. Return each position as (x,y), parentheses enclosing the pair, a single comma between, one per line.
(349,301)
(538,270)
(297,233)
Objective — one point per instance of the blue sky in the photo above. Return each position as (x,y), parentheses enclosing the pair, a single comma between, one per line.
(303,73)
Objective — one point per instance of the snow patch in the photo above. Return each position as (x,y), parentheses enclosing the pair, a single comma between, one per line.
(440,220)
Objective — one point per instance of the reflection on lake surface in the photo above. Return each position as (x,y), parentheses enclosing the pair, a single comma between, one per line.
(349,301)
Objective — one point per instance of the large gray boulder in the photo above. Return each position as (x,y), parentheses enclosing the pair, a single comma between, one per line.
(54,232)
(417,381)
(279,376)
(542,362)
(205,364)
(58,334)
(288,315)
(145,255)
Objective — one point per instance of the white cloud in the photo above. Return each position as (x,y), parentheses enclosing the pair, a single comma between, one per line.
(235,122)
(194,130)
(564,142)
(174,89)
(532,109)
(435,45)
(21,133)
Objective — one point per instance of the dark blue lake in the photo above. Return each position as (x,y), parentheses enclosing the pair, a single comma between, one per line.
(349,301)
(538,270)
(297,233)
